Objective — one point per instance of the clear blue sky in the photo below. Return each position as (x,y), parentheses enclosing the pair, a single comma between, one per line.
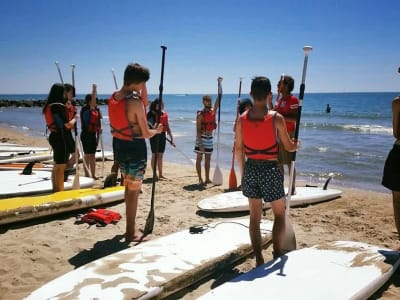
(356,43)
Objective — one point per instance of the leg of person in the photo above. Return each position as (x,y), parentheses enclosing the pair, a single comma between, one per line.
(278,229)
(153,158)
(255,206)
(396,210)
(160,165)
(91,161)
(199,158)
(207,164)
(59,177)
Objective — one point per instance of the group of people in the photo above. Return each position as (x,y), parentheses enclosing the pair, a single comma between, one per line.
(61,117)
(264,143)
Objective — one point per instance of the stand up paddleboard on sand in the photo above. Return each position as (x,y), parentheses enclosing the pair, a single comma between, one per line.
(21,166)
(31,207)
(336,270)
(40,156)
(21,149)
(236,201)
(14,183)
(159,267)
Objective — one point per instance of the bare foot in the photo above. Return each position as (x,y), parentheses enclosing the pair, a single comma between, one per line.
(137,238)
(208,181)
(163,177)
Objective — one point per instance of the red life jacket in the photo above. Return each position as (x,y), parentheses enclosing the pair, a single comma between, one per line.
(164,121)
(49,118)
(94,125)
(260,137)
(120,127)
(208,123)
(71,110)
(102,216)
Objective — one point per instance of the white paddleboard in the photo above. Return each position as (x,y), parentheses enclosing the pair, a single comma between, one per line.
(159,267)
(40,156)
(21,166)
(23,149)
(236,201)
(337,270)
(14,183)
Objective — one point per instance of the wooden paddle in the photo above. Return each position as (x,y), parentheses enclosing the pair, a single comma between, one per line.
(232,174)
(290,238)
(148,228)
(217,177)
(75,185)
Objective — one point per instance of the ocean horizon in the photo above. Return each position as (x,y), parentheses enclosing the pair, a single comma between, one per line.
(350,143)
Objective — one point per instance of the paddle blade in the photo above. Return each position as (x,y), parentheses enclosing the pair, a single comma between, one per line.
(217,178)
(232,179)
(148,228)
(75,184)
(289,243)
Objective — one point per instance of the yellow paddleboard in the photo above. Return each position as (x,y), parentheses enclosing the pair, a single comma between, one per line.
(29,207)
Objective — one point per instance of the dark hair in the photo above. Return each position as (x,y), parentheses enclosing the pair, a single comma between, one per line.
(153,105)
(207,97)
(289,82)
(135,73)
(69,87)
(243,104)
(56,94)
(260,87)
(88,98)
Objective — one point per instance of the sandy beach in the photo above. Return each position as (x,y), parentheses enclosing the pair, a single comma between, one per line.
(37,251)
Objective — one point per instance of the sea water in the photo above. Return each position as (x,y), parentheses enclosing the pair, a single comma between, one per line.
(350,143)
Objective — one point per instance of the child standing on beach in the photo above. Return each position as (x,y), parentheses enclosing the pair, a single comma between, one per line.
(257,133)
(60,138)
(205,126)
(126,109)
(91,130)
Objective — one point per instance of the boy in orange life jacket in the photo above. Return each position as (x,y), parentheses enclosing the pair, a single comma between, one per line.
(257,133)
(91,129)
(288,107)
(205,125)
(126,110)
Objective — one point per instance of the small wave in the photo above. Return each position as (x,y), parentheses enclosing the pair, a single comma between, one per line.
(322,149)
(368,128)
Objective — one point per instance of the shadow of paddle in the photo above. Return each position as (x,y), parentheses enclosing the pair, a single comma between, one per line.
(99,249)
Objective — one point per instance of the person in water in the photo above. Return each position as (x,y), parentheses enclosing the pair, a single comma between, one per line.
(257,133)
(127,115)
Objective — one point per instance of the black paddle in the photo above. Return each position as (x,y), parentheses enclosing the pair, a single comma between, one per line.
(148,228)
(290,238)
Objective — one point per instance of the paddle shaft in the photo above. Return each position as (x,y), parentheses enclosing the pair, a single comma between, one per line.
(148,228)
(232,174)
(115,80)
(59,72)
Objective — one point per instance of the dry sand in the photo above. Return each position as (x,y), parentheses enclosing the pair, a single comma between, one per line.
(35,252)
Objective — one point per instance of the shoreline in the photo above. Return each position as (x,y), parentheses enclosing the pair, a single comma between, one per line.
(37,251)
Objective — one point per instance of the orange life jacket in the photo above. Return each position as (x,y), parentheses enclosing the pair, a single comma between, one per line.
(71,110)
(49,118)
(208,123)
(164,121)
(260,137)
(94,125)
(120,127)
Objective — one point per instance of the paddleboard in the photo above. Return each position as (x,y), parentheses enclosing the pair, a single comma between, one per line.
(40,156)
(236,201)
(14,183)
(31,207)
(159,267)
(21,166)
(23,149)
(336,270)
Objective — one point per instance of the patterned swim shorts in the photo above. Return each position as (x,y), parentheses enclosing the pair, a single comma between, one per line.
(262,179)
(134,168)
(208,144)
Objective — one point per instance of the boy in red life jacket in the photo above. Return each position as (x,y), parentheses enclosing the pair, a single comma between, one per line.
(91,129)
(155,116)
(288,107)
(129,128)
(257,133)
(205,126)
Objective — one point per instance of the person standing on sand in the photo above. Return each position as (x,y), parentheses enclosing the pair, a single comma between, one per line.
(257,133)
(60,138)
(91,130)
(391,171)
(205,126)
(127,115)
(288,107)
(155,116)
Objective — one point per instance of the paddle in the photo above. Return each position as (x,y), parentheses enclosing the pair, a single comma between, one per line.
(59,71)
(75,185)
(148,228)
(115,80)
(290,238)
(217,177)
(232,174)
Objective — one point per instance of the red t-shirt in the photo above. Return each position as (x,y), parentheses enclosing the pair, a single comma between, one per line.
(285,106)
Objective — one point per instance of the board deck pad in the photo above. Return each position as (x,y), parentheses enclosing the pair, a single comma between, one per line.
(31,207)
(14,183)
(336,270)
(159,267)
(236,201)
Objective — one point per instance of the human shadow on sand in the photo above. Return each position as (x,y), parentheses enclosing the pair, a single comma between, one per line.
(99,249)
